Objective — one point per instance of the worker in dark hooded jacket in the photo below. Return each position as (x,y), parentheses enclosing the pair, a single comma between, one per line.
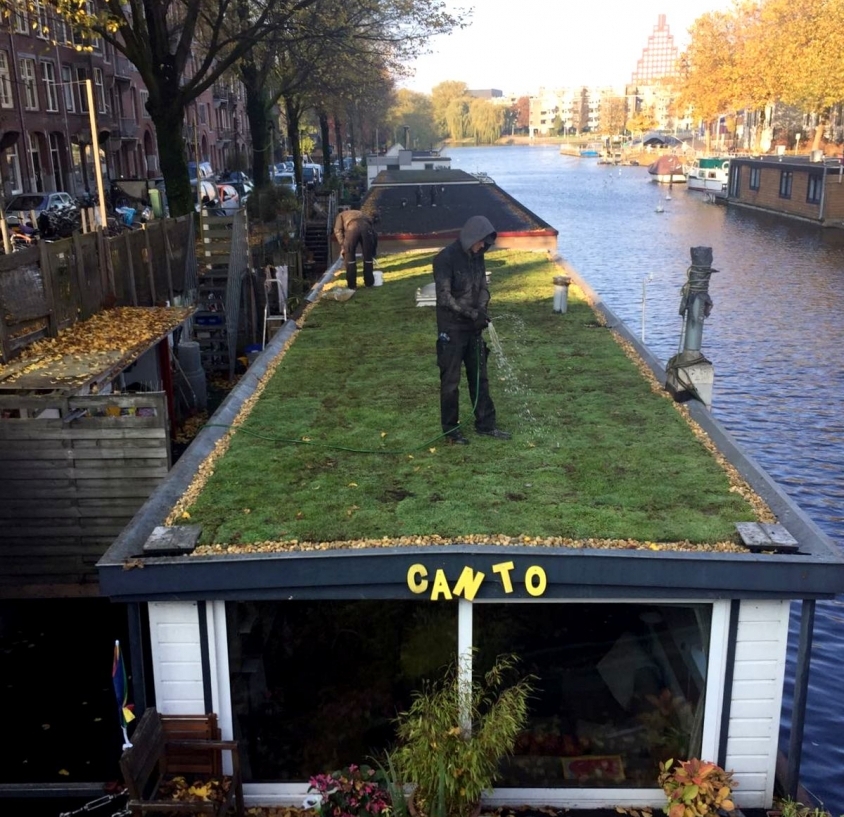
(462,301)
(352,227)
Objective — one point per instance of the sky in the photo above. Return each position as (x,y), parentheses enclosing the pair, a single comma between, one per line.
(518,46)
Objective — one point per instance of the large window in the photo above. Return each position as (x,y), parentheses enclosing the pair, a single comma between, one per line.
(316,685)
(51,96)
(786,182)
(815,188)
(30,89)
(619,686)
(755,177)
(735,180)
(67,88)
(6,99)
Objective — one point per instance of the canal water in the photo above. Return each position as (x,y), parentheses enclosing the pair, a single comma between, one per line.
(775,338)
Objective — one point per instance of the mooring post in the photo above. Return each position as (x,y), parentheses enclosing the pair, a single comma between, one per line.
(689,373)
(561,293)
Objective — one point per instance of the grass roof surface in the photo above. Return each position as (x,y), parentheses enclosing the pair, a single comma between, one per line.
(343,448)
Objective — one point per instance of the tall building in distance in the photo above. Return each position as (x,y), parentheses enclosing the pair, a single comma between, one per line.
(659,56)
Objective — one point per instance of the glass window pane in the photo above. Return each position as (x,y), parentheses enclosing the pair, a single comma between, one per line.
(316,685)
(619,688)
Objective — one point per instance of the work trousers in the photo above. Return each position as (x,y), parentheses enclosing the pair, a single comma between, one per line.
(454,350)
(364,235)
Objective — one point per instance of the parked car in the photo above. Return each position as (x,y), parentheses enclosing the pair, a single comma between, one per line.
(240,181)
(311,175)
(229,197)
(204,168)
(210,195)
(287,181)
(21,206)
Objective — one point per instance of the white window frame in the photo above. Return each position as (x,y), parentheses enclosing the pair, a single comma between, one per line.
(29,82)
(48,77)
(67,89)
(13,162)
(143,96)
(81,77)
(99,90)
(42,16)
(6,98)
(21,22)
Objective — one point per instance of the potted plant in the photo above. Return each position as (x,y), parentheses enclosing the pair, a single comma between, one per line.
(455,733)
(355,791)
(695,788)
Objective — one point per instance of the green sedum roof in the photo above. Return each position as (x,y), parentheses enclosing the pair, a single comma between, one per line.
(342,447)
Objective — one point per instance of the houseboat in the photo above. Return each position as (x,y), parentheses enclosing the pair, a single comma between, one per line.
(668,169)
(709,173)
(807,188)
(320,552)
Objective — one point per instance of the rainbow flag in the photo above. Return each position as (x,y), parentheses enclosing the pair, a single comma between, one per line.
(121,692)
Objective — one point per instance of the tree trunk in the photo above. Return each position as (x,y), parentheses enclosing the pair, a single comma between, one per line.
(338,141)
(352,141)
(259,125)
(325,136)
(293,113)
(257,114)
(169,119)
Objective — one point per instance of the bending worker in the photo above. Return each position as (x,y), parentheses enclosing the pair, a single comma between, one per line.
(462,300)
(352,227)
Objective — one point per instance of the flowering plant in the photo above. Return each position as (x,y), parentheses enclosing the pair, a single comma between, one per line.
(356,791)
(695,788)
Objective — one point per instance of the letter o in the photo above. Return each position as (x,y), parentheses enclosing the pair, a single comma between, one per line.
(535,581)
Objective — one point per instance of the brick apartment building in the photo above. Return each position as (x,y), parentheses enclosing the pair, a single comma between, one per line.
(45,126)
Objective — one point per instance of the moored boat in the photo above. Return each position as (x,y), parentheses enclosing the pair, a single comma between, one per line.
(668,170)
(592,150)
(709,173)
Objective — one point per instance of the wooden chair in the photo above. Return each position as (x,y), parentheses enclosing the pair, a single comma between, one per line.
(189,746)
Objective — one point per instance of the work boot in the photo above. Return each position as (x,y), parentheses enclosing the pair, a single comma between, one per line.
(495,433)
(368,277)
(456,437)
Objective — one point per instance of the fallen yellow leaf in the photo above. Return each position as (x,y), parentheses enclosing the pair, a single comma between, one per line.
(64,772)
(353,485)
(383,434)
(433,450)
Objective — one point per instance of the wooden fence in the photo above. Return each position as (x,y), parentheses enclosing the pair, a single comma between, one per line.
(69,486)
(46,288)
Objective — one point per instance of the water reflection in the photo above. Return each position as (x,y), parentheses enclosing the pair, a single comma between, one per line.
(775,339)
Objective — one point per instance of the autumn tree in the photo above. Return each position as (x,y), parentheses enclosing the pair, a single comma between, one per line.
(450,100)
(180,48)
(613,114)
(642,121)
(522,111)
(804,43)
(416,112)
(485,121)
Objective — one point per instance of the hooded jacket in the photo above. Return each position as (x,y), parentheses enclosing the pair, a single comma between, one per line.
(460,277)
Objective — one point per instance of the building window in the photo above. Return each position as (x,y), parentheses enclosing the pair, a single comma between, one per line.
(813,193)
(14,165)
(786,182)
(30,88)
(144,98)
(81,76)
(43,18)
(755,177)
(99,90)
(202,113)
(21,23)
(51,96)
(67,88)
(6,100)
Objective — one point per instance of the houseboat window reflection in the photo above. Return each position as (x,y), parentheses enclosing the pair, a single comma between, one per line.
(316,685)
(619,688)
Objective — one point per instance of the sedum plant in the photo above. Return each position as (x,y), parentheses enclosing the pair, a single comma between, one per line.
(455,733)
(695,788)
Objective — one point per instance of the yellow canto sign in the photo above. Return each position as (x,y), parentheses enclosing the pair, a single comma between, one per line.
(470,581)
